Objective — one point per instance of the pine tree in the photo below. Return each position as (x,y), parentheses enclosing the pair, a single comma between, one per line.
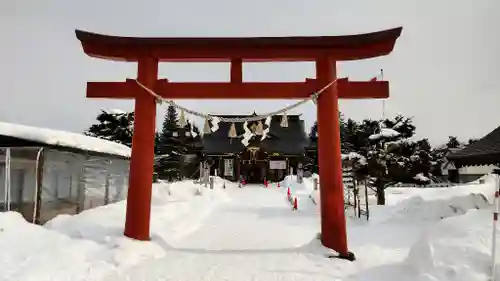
(312,163)
(453,142)
(157,143)
(385,150)
(471,141)
(313,135)
(170,147)
(421,162)
(115,126)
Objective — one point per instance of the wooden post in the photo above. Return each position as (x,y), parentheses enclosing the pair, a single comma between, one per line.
(142,159)
(7,178)
(106,189)
(201,172)
(55,178)
(366,202)
(206,173)
(333,225)
(40,160)
(81,194)
(238,168)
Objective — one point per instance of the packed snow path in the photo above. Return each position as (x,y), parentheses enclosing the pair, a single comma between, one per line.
(253,218)
(252,235)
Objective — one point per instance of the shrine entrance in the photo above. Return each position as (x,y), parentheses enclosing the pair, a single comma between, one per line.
(253,165)
(253,172)
(324,51)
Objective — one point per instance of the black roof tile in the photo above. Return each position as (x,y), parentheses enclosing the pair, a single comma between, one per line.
(482,152)
(285,140)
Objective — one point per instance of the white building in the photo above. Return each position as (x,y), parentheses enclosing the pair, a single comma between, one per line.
(46,172)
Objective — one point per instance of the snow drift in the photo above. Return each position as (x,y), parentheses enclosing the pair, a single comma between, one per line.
(456,248)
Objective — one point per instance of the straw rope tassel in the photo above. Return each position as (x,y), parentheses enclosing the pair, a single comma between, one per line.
(232,131)
(182,119)
(260,128)
(206,127)
(284,121)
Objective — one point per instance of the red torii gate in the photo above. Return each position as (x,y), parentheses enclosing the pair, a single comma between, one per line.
(325,51)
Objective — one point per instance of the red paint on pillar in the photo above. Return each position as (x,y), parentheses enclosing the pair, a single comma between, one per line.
(141,163)
(333,226)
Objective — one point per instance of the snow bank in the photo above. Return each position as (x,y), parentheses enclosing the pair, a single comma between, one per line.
(456,239)
(395,195)
(31,252)
(456,249)
(171,203)
(63,139)
(419,209)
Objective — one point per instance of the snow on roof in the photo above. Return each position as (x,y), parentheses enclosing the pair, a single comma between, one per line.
(115,111)
(63,139)
(384,133)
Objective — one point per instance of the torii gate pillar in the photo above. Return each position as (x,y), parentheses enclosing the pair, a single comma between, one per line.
(333,228)
(141,161)
(325,51)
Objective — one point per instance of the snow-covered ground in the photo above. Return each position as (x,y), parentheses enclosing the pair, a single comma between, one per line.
(251,233)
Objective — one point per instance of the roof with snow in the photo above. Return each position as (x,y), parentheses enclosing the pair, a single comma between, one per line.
(286,140)
(16,135)
(485,151)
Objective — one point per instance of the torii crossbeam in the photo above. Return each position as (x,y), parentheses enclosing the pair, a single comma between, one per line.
(324,51)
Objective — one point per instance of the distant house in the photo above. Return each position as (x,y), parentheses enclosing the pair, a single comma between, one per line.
(448,164)
(478,158)
(44,173)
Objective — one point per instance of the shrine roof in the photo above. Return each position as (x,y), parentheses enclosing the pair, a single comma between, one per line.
(285,140)
(485,151)
(206,49)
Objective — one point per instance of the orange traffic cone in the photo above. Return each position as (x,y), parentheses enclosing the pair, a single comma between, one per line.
(295,203)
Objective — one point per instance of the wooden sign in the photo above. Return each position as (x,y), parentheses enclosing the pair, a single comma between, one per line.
(228,167)
(277,165)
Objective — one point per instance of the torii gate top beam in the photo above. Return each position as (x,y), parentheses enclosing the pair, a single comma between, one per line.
(253,49)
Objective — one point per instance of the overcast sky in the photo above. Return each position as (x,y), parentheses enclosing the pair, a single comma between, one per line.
(444,71)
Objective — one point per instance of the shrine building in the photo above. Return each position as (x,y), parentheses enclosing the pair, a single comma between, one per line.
(266,150)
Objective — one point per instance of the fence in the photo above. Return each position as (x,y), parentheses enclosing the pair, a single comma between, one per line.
(41,183)
(432,185)
(355,193)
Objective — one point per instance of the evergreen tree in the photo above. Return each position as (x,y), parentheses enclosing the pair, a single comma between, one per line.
(453,142)
(385,149)
(157,143)
(388,160)
(421,162)
(313,135)
(471,141)
(312,161)
(170,147)
(115,126)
